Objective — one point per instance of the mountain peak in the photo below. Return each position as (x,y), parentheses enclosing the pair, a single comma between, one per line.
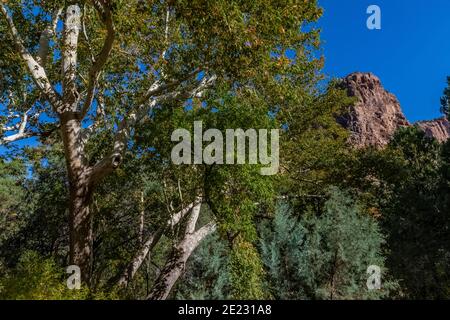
(375,116)
(377,113)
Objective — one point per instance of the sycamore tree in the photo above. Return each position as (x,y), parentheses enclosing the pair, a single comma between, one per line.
(84,69)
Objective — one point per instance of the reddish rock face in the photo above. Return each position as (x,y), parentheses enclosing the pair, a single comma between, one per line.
(377,114)
(438,129)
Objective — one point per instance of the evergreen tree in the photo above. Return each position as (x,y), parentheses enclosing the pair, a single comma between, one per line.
(12,195)
(324,256)
(208,272)
(416,217)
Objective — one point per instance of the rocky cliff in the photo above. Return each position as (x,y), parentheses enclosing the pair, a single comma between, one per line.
(439,128)
(377,114)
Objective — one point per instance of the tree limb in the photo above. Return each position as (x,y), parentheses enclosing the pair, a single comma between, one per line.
(21,134)
(46,36)
(150,243)
(37,72)
(101,59)
(21,126)
(175,265)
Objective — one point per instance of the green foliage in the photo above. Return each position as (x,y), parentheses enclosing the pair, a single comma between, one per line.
(323,256)
(217,271)
(314,144)
(12,194)
(406,186)
(42,219)
(37,278)
(246,272)
(416,217)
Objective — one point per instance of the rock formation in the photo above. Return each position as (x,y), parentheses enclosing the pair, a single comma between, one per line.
(377,114)
(438,129)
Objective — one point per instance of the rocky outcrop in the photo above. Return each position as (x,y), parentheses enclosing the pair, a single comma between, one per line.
(377,114)
(438,129)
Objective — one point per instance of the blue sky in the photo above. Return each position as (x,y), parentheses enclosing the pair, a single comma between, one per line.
(410,54)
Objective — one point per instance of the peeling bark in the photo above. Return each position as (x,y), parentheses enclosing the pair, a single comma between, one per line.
(80,189)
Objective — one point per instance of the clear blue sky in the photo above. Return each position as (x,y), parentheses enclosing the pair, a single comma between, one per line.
(410,54)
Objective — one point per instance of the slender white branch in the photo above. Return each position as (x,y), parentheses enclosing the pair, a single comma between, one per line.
(36,70)
(86,37)
(11,128)
(159,87)
(46,36)
(100,118)
(166,40)
(177,217)
(205,83)
(21,134)
(156,92)
(101,59)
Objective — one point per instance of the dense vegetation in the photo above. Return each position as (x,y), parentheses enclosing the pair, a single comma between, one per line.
(88,179)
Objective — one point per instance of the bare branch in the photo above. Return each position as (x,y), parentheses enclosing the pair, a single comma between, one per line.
(166,39)
(177,217)
(158,87)
(139,258)
(204,231)
(204,84)
(86,37)
(99,119)
(25,117)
